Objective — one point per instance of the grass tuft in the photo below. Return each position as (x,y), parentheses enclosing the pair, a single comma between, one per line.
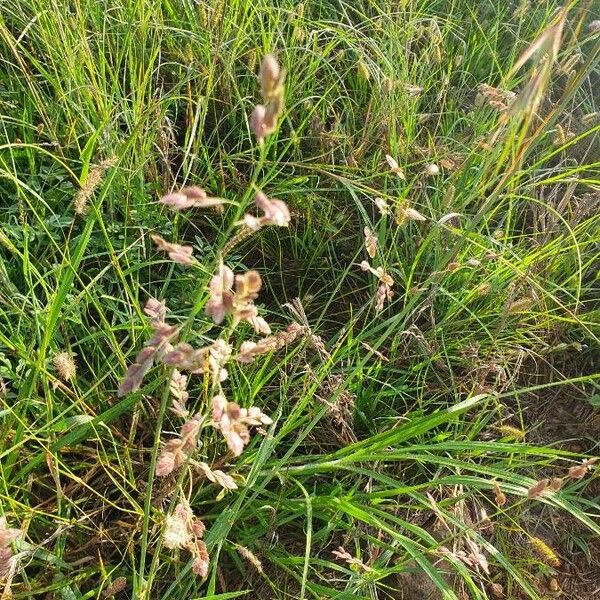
(299,300)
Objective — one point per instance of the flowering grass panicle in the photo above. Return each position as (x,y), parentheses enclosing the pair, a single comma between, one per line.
(216,476)
(229,296)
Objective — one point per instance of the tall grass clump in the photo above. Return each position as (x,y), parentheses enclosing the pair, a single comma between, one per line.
(299,300)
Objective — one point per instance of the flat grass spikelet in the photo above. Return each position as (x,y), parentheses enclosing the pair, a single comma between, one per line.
(221,294)
(370,242)
(395,167)
(177,253)
(155,348)
(499,495)
(580,471)
(217,476)
(264,117)
(275,212)
(382,206)
(177,450)
(538,488)
(190,197)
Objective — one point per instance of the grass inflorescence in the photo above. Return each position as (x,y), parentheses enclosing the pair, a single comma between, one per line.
(299,299)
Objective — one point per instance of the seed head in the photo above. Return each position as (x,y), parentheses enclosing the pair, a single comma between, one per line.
(594,26)
(499,495)
(217,476)
(271,77)
(432,169)
(382,206)
(178,527)
(221,294)
(363,70)
(394,166)
(405,212)
(370,242)
(258,123)
(250,350)
(156,311)
(208,360)
(545,552)
(201,560)
(7,536)
(387,85)
(538,488)
(94,179)
(342,554)
(513,432)
(177,450)
(65,366)
(264,117)
(117,586)
(184,530)
(250,557)
(155,347)
(580,471)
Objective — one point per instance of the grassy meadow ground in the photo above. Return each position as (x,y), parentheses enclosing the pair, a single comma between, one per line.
(431,449)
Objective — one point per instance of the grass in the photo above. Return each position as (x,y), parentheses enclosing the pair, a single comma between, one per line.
(389,443)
